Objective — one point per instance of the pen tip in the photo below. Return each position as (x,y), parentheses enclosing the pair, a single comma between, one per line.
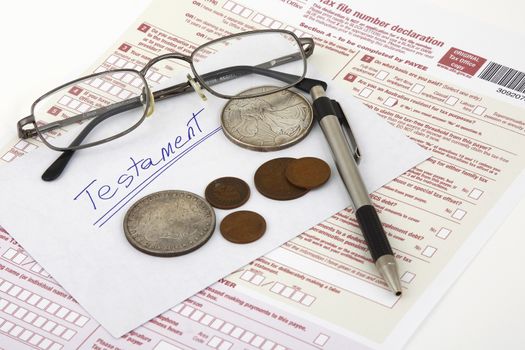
(388,268)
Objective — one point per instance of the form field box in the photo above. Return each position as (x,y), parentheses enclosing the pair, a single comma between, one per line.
(229,5)
(267,22)
(390,102)
(237,9)
(247,275)
(321,339)
(297,296)
(407,277)
(443,233)
(246,13)
(257,341)
(381,75)
(451,100)
(258,18)
(308,300)
(277,288)
(214,342)
(257,280)
(247,336)
(479,110)
(459,214)
(429,251)
(268,345)
(366,92)
(197,315)
(225,345)
(206,320)
(417,88)
(475,193)
(287,292)
(217,324)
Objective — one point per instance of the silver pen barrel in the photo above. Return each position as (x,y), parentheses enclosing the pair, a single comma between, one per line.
(366,214)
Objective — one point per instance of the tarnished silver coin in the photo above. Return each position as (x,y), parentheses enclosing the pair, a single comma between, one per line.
(267,123)
(169,223)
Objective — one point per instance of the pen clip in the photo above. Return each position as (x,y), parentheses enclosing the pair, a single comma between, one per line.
(347,131)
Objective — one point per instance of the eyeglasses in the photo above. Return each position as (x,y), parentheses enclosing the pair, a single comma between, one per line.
(112,103)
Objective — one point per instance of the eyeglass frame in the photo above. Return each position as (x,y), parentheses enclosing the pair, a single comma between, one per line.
(172,91)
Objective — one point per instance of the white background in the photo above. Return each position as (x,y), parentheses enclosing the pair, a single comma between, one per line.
(45,43)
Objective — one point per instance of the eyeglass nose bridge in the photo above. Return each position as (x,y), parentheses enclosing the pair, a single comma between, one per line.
(155,60)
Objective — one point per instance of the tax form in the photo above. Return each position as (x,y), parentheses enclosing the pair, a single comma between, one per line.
(433,99)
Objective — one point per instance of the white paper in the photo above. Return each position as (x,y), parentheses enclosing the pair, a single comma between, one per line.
(80,238)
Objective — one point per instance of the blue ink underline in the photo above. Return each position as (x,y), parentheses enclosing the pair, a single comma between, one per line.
(133,193)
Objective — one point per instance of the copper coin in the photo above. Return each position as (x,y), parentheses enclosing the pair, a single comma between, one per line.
(270,180)
(243,226)
(227,192)
(308,172)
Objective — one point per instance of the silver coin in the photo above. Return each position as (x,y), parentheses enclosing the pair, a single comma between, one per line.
(169,223)
(267,123)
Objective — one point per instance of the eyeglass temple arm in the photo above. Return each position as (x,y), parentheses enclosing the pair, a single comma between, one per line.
(58,166)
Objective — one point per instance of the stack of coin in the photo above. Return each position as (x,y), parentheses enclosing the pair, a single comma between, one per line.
(290,178)
(241,226)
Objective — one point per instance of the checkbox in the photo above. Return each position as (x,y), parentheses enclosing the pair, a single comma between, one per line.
(459,214)
(14,291)
(443,233)
(258,18)
(20,313)
(214,342)
(237,9)
(64,100)
(83,108)
(277,287)
(276,25)
(297,296)
(197,315)
(206,320)
(43,304)
(257,280)
(227,328)
(33,299)
(321,339)
(217,323)
(112,59)
(225,345)
(451,100)
(62,312)
(9,156)
(479,110)
(59,330)
(120,63)
(39,321)
(74,104)
(36,339)
(53,308)
(25,335)
(257,341)
(44,344)
(417,88)
(5,286)
(229,5)
(287,292)
(16,331)
(407,277)
(475,193)
(268,345)
(10,309)
(246,13)
(106,86)
(9,254)
(247,275)
(267,21)
(115,90)
(237,332)
(308,300)
(186,311)
(429,251)
(390,102)
(72,316)
(6,326)
(381,75)
(82,320)
(366,92)
(97,82)
(68,334)
(247,336)
(49,326)
(30,317)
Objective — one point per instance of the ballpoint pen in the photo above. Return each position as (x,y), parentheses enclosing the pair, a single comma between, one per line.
(346,153)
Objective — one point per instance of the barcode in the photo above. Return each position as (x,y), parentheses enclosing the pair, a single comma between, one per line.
(504,76)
